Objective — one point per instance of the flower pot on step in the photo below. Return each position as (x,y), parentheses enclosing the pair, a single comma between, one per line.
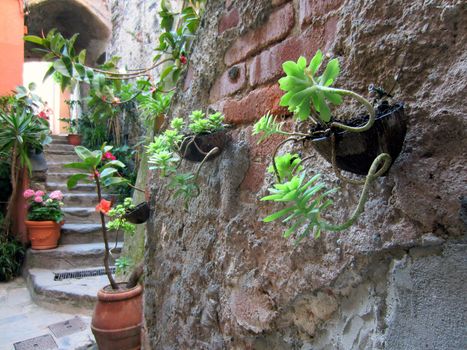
(139,215)
(117,319)
(195,148)
(74,139)
(43,234)
(355,151)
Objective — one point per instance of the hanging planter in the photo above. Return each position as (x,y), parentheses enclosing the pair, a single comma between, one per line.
(196,147)
(356,151)
(117,318)
(138,215)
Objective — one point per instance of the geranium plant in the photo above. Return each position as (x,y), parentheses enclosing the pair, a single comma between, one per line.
(310,98)
(43,206)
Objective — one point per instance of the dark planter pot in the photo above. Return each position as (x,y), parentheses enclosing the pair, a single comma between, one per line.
(74,139)
(117,319)
(139,215)
(196,149)
(355,151)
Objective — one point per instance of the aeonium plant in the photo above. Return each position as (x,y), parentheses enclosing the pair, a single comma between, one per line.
(100,167)
(43,206)
(310,97)
(168,149)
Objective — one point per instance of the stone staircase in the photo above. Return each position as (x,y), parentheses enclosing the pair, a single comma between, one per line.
(81,247)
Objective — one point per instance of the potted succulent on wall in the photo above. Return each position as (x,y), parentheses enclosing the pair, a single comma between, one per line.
(117,317)
(366,147)
(45,218)
(201,140)
(73,136)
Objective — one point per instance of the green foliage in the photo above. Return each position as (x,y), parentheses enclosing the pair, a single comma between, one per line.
(93,168)
(11,258)
(184,186)
(305,90)
(118,221)
(286,166)
(200,123)
(306,202)
(152,105)
(267,126)
(49,209)
(123,265)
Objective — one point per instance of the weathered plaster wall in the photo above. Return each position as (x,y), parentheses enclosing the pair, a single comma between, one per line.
(217,277)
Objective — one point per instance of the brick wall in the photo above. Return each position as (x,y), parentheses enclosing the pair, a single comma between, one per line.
(247,88)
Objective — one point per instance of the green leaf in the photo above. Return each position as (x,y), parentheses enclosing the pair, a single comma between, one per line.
(80,166)
(34,39)
(83,152)
(316,62)
(116,163)
(82,57)
(74,179)
(61,68)
(110,181)
(333,97)
(49,72)
(330,73)
(107,172)
(278,214)
(324,111)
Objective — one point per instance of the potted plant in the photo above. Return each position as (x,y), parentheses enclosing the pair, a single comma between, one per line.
(117,317)
(45,218)
(137,214)
(73,137)
(309,97)
(201,140)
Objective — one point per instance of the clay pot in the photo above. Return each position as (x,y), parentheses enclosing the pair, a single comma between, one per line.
(355,151)
(138,215)
(74,139)
(117,319)
(43,234)
(195,148)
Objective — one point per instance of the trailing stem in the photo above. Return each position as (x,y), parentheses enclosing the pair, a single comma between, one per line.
(382,162)
(104,234)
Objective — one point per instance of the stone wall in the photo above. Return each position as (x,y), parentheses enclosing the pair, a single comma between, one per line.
(219,278)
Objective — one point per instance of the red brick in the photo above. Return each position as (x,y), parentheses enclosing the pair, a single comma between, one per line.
(276,28)
(267,66)
(254,177)
(310,9)
(253,106)
(231,81)
(229,20)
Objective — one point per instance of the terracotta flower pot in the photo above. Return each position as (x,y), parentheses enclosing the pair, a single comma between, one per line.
(138,215)
(117,319)
(355,151)
(74,139)
(43,234)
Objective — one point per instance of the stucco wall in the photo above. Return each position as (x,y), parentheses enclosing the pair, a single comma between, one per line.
(217,277)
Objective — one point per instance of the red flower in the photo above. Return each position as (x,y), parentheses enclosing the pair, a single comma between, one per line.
(109,156)
(96,173)
(183,59)
(104,206)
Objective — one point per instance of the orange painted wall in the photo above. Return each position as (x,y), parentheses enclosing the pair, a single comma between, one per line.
(11,45)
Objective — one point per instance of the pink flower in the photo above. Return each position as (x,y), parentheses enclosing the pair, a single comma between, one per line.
(183,59)
(28,193)
(39,193)
(58,195)
(38,199)
(108,155)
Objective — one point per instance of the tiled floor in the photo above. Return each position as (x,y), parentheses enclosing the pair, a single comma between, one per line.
(21,319)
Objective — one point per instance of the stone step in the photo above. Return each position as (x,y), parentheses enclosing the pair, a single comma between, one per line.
(79,199)
(58,167)
(60,146)
(73,233)
(81,215)
(59,176)
(69,256)
(59,139)
(61,156)
(68,295)
(80,187)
